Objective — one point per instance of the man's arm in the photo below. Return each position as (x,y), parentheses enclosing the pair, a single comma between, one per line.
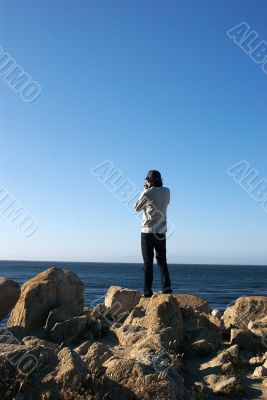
(140,204)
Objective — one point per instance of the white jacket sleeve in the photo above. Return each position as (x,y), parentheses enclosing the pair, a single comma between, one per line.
(141,202)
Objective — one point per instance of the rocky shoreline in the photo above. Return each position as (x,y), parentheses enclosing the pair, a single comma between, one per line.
(171,347)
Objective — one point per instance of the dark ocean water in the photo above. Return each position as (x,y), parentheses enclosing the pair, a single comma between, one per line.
(218,284)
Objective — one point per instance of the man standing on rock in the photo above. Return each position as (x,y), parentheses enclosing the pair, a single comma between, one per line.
(154,201)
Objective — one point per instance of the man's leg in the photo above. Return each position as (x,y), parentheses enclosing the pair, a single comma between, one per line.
(160,247)
(147,245)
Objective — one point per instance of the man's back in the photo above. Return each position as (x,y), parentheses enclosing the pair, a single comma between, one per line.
(154,202)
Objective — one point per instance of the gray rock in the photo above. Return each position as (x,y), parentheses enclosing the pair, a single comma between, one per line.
(246,340)
(62,313)
(9,295)
(70,331)
(260,372)
(202,347)
(119,300)
(190,304)
(245,310)
(222,384)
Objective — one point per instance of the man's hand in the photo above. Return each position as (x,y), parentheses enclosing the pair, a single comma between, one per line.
(146,185)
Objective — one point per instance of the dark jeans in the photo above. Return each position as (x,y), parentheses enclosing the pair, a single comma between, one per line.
(149,242)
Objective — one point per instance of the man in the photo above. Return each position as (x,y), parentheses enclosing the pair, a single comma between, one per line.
(154,201)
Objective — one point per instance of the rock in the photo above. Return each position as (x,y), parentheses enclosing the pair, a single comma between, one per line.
(97,354)
(203,327)
(258,325)
(190,304)
(163,311)
(229,355)
(228,368)
(9,295)
(62,313)
(120,300)
(154,323)
(202,347)
(32,342)
(258,359)
(260,372)
(43,293)
(216,314)
(69,373)
(244,310)
(222,384)
(83,348)
(129,379)
(198,391)
(259,329)
(246,340)
(70,331)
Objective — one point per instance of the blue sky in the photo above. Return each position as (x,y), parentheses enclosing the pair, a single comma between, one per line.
(147,85)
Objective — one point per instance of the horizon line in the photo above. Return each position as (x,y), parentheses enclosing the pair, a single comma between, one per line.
(138,263)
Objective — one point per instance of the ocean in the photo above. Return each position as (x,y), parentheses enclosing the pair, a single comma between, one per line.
(219,285)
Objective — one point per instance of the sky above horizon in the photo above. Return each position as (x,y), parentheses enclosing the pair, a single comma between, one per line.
(145,85)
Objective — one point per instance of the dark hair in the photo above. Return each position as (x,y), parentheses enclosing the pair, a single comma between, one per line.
(154,177)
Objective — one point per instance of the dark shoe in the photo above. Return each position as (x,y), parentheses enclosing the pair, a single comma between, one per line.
(147,295)
(167,291)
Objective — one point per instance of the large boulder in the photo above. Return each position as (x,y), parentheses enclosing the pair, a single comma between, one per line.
(9,295)
(47,291)
(245,310)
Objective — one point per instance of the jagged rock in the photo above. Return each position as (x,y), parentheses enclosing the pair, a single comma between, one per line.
(142,355)
(62,313)
(222,384)
(119,299)
(69,372)
(246,340)
(260,372)
(97,354)
(202,347)
(228,368)
(141,382)
(228,355)
(258,359)
(190,304)
(83,348)
(216,314)
(162,312)
(244,310)
(203,327)
(70,331)
(43,293)
(32,342)
(9,295)
(259,328)
(155,323)
(198,391)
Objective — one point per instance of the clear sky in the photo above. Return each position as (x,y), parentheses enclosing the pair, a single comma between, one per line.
(147,85)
